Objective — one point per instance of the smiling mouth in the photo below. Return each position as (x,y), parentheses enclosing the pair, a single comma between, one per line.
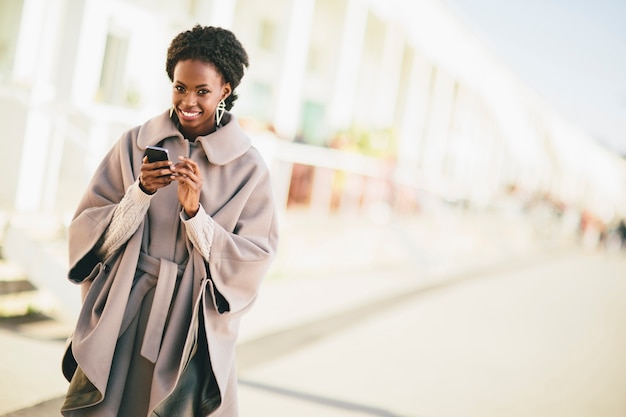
(189,115)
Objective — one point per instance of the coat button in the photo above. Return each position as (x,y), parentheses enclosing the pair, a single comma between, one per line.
(106,268)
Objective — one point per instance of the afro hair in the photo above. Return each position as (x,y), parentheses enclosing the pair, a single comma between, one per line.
(214,45)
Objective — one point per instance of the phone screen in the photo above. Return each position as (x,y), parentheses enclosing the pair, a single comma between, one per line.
(155,153)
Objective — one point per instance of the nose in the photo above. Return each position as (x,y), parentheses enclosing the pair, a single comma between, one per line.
(190,99)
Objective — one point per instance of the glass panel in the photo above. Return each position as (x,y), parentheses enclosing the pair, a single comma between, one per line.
(111,89)
(10,16)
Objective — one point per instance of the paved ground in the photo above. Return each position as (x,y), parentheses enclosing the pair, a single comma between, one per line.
(471,318)
(546,339)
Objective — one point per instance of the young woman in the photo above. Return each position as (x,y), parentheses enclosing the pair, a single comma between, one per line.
(171,254)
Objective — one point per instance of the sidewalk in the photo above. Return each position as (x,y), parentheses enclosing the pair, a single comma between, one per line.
(325,266)
(329,265)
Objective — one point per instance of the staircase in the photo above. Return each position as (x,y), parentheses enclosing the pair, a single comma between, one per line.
(33,270)
(18,296)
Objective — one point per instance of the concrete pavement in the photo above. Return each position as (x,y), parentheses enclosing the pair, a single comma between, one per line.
(544,339)
(326,267)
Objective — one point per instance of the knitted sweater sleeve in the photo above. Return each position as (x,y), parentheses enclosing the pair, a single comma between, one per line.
(199,231)
(127,217)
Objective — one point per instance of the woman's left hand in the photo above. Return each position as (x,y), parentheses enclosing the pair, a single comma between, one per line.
(187,173)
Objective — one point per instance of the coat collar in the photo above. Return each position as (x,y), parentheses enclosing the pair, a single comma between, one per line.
(221,147)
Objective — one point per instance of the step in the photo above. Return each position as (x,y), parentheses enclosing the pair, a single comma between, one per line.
(18,296)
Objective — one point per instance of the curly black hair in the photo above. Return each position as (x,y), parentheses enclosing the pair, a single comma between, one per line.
(215,46)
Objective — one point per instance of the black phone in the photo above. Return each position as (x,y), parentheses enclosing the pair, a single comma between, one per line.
(156,153)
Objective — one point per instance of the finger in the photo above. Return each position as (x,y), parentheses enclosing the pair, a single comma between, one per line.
(156,169)
(185,179)
(185,172)
(190,163)
(191,173)
(191,181)
(150,176)
(155,176)
(186,168)
(159,183)
(161,173)
(159,165)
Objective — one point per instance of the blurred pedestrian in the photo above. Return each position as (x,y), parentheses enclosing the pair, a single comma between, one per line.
(621,233)
(171,254)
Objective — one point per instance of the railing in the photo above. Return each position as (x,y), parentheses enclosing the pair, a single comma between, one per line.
(325,179)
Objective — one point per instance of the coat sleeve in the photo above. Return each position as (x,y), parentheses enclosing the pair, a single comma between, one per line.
(241,258)
(95,210)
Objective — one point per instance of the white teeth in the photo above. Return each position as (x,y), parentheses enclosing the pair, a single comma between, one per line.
(189,114)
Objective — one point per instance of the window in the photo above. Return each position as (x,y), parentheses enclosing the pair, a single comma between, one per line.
(10,16)
(313,123)
(314,61)
(267,35)
(260,92)
(111,88)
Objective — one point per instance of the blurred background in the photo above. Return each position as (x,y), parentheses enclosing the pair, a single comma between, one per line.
(451,234)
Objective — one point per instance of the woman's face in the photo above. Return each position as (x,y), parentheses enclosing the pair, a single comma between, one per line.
(197,90)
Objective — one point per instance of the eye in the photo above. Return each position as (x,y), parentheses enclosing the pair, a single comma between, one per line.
(203,91)
(179,88)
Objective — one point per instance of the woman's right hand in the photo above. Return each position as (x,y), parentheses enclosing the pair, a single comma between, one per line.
(155,175)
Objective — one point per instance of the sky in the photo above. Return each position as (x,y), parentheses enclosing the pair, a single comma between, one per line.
(570,52)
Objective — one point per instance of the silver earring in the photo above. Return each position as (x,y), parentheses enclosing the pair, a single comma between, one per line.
(171,111)
(219,112)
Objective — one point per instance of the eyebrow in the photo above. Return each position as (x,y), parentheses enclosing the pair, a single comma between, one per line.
(198,86)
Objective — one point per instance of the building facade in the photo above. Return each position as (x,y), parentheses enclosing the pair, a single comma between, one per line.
(400,82)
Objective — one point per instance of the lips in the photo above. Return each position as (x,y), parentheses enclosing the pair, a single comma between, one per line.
(189,115)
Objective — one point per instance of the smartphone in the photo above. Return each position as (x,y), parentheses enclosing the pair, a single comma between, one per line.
(156,153)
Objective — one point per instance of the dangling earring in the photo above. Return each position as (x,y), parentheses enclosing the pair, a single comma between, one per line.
(219,112)
(171,111)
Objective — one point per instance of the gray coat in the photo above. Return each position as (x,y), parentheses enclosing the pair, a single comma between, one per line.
(237,195)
